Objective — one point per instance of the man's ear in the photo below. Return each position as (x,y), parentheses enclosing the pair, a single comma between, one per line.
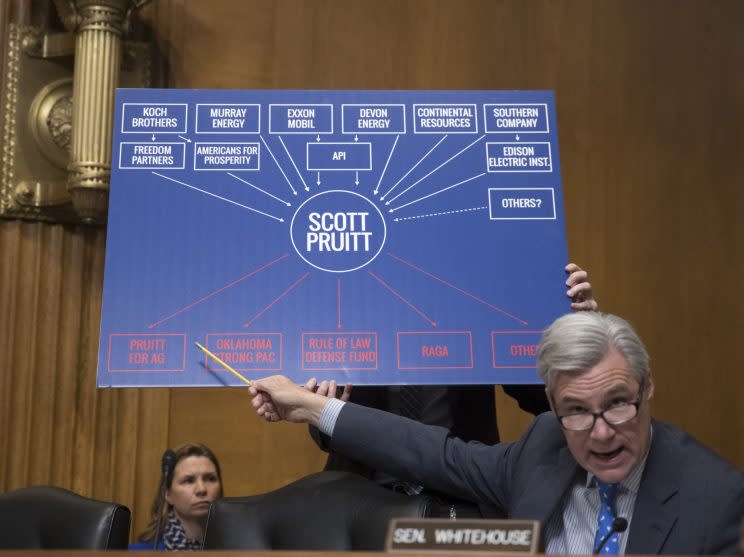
(550,399)
(649,386)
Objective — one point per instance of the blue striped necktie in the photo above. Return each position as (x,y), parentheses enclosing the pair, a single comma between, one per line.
(607,493)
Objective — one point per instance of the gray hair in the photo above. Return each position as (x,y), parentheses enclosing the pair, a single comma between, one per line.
(578,341)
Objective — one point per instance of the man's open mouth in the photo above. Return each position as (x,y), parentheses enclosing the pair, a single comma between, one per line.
(608,455)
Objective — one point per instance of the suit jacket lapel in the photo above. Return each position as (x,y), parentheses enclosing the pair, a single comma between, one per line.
(656,508)
(550,482)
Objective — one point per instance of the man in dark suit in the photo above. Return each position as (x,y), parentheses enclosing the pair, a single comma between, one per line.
(467,411)
(598,472)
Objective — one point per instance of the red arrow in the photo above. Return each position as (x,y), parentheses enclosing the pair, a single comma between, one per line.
(338,285)
(287,291)
(414,308)
(233,283)
(468,294)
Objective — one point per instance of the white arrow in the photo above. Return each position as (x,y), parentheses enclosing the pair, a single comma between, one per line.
(317,138)
(153,137)
(356,181)
(294,191)
(287,203)
(293,163)
(438,192)
(318,182)
(413,167)
(356,137)
(377,189)
(185,138)
(460,152)
(219,197)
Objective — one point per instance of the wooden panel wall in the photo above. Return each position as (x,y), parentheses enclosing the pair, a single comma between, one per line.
(54,426)
(651,111)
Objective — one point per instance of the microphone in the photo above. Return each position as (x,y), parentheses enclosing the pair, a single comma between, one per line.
(619,525)
(166,465)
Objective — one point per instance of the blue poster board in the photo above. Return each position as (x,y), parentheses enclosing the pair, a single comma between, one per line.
(377,237)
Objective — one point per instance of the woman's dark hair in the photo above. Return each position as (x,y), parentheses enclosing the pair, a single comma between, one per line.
(184,451)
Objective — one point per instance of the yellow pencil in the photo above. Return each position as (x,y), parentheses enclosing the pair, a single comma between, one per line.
(223,364)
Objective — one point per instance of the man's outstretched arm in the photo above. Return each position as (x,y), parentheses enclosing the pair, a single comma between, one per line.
(399,446)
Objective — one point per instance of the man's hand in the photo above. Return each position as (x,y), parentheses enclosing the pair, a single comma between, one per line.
(579,289)
(277,398)
(328,389)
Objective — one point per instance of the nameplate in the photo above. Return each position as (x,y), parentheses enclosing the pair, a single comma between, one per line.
(444,535)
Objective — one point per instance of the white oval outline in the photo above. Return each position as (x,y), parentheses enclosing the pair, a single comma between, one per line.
(384,231)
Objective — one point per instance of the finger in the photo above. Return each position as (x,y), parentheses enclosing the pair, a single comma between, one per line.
(588,305)
(580,292)
(311,384)
(323,388)
(267,410)
(347,392)
(572,267)
(577,278)
(332,389)
(260,385)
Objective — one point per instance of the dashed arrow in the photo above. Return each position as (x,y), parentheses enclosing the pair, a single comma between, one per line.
(429,215)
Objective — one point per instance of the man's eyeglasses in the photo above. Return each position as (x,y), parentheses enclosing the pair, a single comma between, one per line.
(617,414)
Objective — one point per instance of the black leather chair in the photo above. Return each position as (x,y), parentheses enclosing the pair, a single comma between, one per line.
(47,517)
(329,511)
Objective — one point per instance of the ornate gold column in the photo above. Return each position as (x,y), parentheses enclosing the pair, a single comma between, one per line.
(56,157)
(100,24)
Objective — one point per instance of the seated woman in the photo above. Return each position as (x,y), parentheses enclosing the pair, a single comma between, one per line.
(192,483)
